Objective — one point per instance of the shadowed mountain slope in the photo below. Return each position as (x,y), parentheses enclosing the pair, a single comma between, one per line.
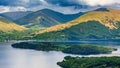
(46,18)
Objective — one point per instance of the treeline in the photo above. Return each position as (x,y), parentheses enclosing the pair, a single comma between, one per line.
(90,62)
(43,46)
(16,35)
(87,49)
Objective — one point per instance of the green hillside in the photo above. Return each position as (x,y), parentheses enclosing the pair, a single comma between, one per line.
(11,31)
(6,25)
(92,25)
(86,30)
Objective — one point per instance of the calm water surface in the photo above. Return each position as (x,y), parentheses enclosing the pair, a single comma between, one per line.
(22,58)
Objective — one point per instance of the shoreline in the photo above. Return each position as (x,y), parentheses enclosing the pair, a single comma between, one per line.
(64,41)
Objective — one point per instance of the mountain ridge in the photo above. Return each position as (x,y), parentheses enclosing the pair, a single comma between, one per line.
(15,15)
(46,18)
(100,24)
(109,19)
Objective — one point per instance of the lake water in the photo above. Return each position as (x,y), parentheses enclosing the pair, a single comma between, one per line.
(25,58)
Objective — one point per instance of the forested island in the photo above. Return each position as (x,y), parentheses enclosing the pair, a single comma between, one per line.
(90,62)
(82,49)
(87,49)
(43,46)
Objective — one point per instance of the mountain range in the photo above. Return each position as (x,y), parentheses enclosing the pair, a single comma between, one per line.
(102,23)
(46,18)
(15,15)
(18,25)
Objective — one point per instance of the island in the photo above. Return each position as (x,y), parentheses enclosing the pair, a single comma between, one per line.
(87,49)
(43,46)
(81,49)
(90,62)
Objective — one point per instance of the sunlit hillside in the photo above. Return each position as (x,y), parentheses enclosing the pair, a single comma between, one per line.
(6,25)
(108,17)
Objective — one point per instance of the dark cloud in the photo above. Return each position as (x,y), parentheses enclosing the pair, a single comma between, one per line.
(63,2)
(30,3)
(65,6)
(25,3)
(6,2)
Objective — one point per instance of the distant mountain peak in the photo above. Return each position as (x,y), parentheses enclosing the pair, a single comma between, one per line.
(46,18)
(45,9)
(102,9)
(15,15)
(48,10)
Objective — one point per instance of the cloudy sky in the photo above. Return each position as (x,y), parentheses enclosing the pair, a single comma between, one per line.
(64,6)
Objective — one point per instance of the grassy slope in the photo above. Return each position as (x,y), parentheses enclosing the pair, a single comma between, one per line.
(6,25)
(92,25)
(86,30)
(108,18)
(11,31)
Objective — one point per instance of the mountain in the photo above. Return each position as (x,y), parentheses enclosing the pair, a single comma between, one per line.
(46,18)
(15,15)
(6,25)
(102,23)
(11,31)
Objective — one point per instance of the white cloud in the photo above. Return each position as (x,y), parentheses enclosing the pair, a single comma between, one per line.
(25,1)
(44,2)
(18,8)
(64,10)
(98,2)
(4,9)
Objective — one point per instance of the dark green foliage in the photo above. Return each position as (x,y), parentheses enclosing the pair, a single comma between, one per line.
(88,30)
(52,36)
(16,35)
(90,62)
(44,46)
(84,49)
(87,49)
(84,31)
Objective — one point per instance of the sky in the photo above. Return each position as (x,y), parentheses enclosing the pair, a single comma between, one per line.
(63,6)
